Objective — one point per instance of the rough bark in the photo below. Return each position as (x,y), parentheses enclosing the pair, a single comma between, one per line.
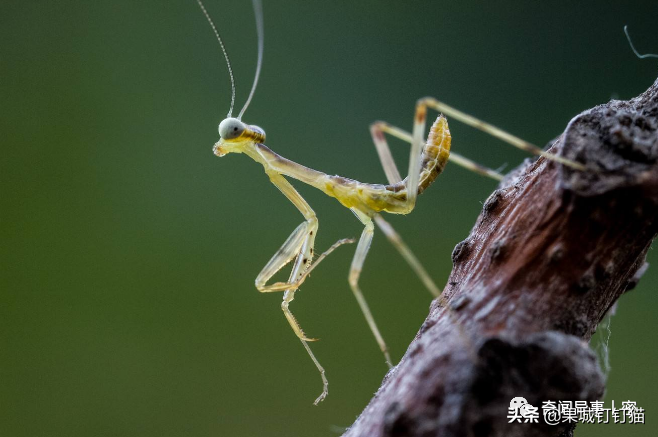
(551,252)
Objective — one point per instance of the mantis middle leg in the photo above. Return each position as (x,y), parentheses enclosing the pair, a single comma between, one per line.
(353,278)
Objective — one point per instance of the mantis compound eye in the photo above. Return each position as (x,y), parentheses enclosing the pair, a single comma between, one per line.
(231,128)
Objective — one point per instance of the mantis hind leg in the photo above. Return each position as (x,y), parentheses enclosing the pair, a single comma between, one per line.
(449,111)
(379,128)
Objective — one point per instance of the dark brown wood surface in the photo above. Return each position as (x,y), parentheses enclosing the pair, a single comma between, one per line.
(551,252)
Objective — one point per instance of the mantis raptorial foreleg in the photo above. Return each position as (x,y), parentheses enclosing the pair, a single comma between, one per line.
(298,246)
(300,242)
(288,251)
(353,279)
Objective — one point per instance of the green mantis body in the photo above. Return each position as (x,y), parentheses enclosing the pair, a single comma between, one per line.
(427,159)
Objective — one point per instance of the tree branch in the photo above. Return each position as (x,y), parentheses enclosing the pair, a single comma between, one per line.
(551,252)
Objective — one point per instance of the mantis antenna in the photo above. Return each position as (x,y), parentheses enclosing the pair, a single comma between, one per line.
(648,55)
(228,63)
(258,12)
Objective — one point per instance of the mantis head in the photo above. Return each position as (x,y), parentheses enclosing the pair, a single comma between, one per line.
(233,133)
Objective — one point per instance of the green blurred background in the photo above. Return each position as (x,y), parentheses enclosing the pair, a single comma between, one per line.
(128,251)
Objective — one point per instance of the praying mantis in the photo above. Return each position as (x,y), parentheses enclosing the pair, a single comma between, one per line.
(366,201)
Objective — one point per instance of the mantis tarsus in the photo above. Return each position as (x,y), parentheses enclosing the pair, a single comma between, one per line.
(367,201)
